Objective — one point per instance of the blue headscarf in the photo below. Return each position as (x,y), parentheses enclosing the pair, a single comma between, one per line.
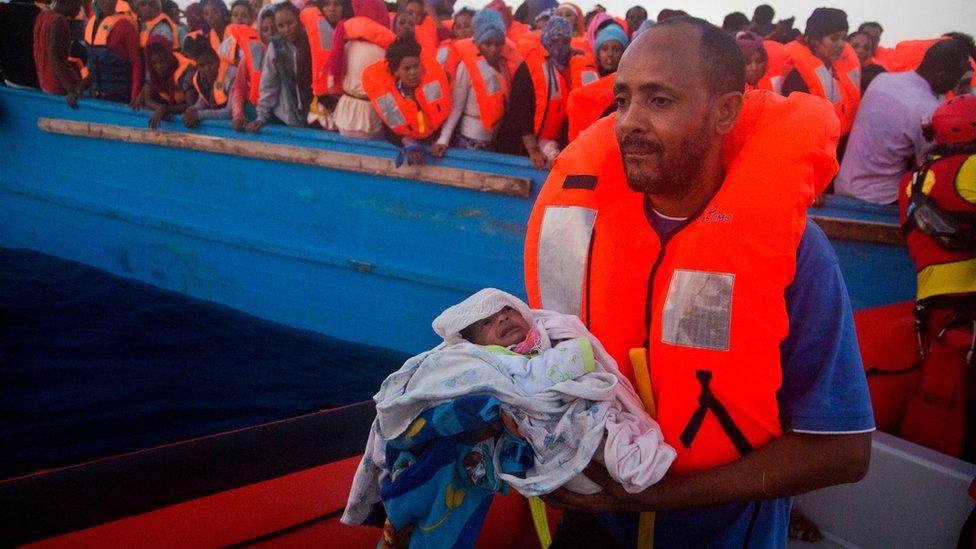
(557,29)
(608,33)
(487,24)
(648,23)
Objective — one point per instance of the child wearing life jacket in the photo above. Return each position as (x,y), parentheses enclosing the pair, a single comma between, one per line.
(213,97)
(170,87)
(560,394)
(938,212)
(286,73)
(410,93)
(245,92)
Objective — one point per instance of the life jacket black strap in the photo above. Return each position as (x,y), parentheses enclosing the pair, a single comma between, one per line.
(708,401)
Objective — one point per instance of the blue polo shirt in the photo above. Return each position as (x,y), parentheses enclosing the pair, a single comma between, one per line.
(823,391)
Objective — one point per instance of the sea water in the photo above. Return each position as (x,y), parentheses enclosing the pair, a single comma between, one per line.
(93,365)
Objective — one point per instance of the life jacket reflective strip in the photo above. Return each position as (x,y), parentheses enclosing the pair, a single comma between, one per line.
(842,86)
(185,64)
(716,315)
(587,104)
(941,271)
(219,90)
(426,34)
(401,114)
(111,74)
(776,63)
(490,90)
(320,35)
(252,50)
(582,71)
(448,58)
(161,19)
(551,91)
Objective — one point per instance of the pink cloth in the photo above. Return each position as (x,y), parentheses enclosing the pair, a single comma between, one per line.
(240,90)
(595,23)
(372,9)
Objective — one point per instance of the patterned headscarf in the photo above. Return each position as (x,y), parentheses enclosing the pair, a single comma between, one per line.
(487,24)
(557,28)
(594,27)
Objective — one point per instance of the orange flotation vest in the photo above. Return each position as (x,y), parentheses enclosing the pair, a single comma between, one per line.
(550,86)
(448,57)
(516,30)
(588,103)
(111,74)
(161,19)
(941,271)
(582,71)
(361,28)
(407,117)
(252,51)
(219,90)
(712,325)
(185,64)
(842,86)
(490,90)
(776,63)
(426,34)
(320,35)
(582,44)
(905,56)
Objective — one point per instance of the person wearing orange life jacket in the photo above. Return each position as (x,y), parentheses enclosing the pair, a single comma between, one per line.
(153,22)
(588,103)
(213,97)
(319,19)
(761,400)
(863,45)
(824,64)
(114,57)
(534,124)
(52,42)
(246,91)
(169,89)
(286,73)
(359,42)
(480,87)
(938,213)
(461,28)
(410,93)
(216,17)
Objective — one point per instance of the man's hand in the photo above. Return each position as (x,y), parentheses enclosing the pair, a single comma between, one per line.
(612,498)
(539,160)
(157,116)
(254,126)
(191,118)
(239,124)
(437,150)
(72,100)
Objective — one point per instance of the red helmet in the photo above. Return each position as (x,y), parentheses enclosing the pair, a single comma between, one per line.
(954,122)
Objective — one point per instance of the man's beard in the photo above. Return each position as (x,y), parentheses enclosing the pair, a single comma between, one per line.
(676,172)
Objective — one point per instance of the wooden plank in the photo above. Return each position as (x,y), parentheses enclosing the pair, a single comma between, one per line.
(440,175)
(860,231)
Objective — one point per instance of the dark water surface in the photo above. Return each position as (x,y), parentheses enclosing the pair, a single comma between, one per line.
(93,365)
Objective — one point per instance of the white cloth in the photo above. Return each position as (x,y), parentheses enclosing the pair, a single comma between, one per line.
(565,423)
(887,133)
(534,373)
(354,113)
(465,110)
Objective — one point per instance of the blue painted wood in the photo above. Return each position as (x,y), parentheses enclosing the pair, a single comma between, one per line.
(364,258)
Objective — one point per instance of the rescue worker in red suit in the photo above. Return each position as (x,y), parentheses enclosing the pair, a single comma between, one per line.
(938,214)
(667,227)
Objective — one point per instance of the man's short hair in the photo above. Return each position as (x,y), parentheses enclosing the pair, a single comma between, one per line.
(722,61)
(763,14)
(638,8)
(870,24)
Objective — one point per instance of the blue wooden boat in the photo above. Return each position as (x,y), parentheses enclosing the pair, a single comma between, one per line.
(322,232)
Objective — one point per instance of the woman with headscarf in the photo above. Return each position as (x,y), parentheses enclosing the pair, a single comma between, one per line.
(534,124)
(481,86)
(359,42)
(514,28)
(286,73)
(246,91)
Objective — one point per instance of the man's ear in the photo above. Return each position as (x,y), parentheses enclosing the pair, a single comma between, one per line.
(727,107)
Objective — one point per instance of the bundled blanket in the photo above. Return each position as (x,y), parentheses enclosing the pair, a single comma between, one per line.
(597,415)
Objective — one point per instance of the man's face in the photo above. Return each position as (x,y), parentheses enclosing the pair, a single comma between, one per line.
(403,25)
(241,15)
(147,10)
(946,80)
(160,65)
(664,111)
(830,47)
(505,328)
(462,27)
(416,11)
(862,45)
(635,16)
(755,68)
(608,56)
(332,11)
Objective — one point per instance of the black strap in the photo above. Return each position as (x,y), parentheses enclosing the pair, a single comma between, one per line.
(708,401)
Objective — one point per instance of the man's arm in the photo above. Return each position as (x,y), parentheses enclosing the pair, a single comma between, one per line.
(58,54)
(790,465)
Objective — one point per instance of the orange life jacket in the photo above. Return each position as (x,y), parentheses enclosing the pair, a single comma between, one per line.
(776,63)
(582,44)
(185,64)
(841,86)
(252,51)
(419,118)
(582,70)
(490,90)
(426,34)
(219,90)
(161,19)
(516,30)
(941,271)
(99,37)
(551,91)
(587,104)
(448,57)
(320,34)
(905,56)
(361,28)
(712,325)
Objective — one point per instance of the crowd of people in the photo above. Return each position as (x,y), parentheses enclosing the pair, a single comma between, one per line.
(427,79)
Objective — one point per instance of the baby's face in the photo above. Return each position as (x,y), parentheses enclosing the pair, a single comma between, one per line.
(506,327)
